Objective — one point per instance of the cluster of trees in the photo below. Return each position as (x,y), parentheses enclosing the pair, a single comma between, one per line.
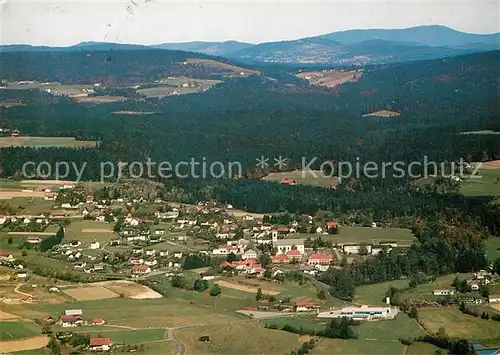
(457,347)
(49,242)
(336,329)
(447,244)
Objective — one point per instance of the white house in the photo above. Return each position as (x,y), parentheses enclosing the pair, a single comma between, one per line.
(494,299)
(285,245)
(361,313)
(3,219)
(445,292)
(95,245)
(249,254)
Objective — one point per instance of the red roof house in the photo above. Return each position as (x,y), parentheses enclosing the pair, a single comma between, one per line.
(294,254)
(100,344)
(280,259)
(319,259)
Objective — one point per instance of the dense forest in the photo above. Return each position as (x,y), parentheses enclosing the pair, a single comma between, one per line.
(275,114)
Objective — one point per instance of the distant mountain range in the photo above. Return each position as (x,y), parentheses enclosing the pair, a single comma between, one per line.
(357,47)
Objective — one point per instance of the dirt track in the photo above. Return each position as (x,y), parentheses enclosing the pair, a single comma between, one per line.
(24,344)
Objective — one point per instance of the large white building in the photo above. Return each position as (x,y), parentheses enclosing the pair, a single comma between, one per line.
(285,245)
(361,313)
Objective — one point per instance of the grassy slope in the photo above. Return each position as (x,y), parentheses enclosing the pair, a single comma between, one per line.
(17,330)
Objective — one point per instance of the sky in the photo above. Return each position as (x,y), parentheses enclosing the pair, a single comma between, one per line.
(64,23)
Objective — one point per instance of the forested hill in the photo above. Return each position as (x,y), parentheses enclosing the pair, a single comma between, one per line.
(105,66)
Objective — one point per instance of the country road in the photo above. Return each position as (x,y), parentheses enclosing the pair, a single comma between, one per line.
(178,345)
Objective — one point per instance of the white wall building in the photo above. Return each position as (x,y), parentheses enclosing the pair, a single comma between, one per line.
(285,245)
(361,313)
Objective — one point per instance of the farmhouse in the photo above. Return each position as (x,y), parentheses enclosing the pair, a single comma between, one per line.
(98,321)
(73,312)
(319,259)
(361,313)
(54,289)
(285,245)
(249,254)
(140,270)
(278,259)
(443,292)
(353,248)
(494,299)
(6,256)
(33,240)
(100,344)
(293,255)
(303,306)
(22,274)
(95,245)
(70,321)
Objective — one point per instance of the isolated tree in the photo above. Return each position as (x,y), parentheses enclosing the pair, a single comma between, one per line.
(258,297)
(413,313)
(231,257)
(9,240)
(322,294)
(496,266)
(363,249)
(200,285)
(178,281)
(265,260)
(24,253)
(54,346)
(215,290)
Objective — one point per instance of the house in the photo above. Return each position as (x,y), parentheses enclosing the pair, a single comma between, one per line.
(33,240)
(150,252)
(283,231)
(98,321)
(354,248)
(50,197)
(6,256)
(136,261)
(249,254)
(3,219)
(178,255)
(151,262)
(207,277)
(134,222)
(224,250)
(285,245)
(474,286)
(163,253)
(470,299)
(48,320)
(79,264)
(304,306)
(73,312)
(95,245)
(494,299)
(278,259)
(100,344)
(54,289)
(319,259)
(70,321)
(159,232)
(361,313)
(139,270)
(294,255)
(445,292)
(22,274)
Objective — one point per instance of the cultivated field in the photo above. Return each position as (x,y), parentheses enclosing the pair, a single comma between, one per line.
(245,287)
(88,293)
(347,235)
(35,342)
(7,316)
(145,313)
(89,231)
(330,78)
(242,338)
(134,113)
(17,330)
(400,327)
(100,99)
(487,183)
(374,294)
(486,131)
(382,113)
(174,86)
(129,289)
(7,194)
(356,347)
(41,142)
(304,177)
(219,67)
(457,324)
